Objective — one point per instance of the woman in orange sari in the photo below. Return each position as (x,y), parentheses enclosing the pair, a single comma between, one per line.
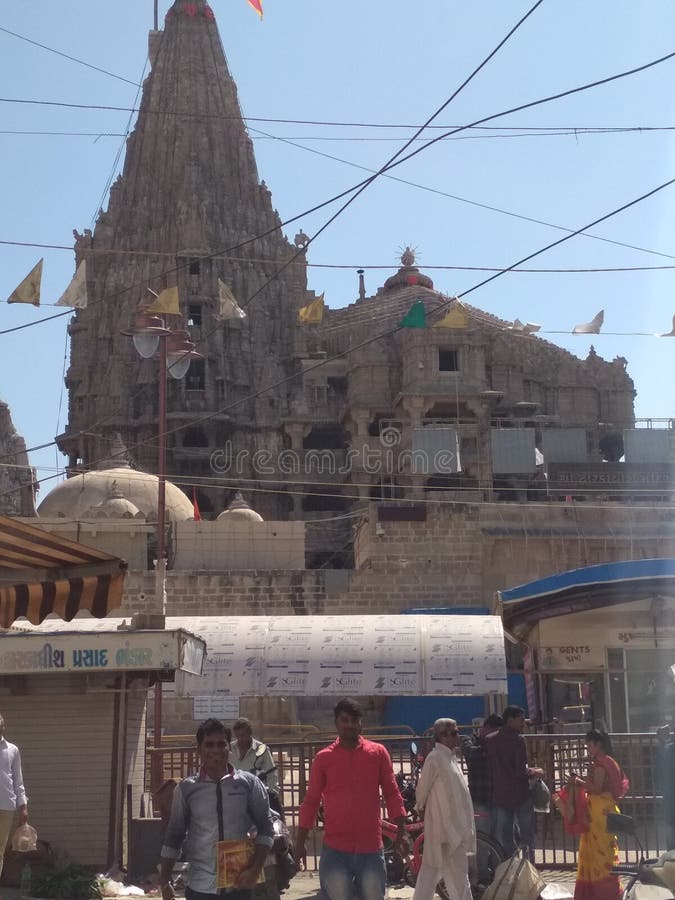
(599,850)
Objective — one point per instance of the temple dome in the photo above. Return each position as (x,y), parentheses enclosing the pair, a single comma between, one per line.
(113,492)
(240,510)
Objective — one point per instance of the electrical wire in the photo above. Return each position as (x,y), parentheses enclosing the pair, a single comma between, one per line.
(398,162)
(529,105)
(366,139)
(269,261)
(80,62)
(208,416)
(120,150)
(391,331)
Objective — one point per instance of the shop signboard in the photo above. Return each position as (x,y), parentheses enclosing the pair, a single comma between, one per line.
(578,657)
(99,651)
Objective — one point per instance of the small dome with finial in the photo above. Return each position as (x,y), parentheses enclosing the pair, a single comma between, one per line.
(240,510)
(408,275)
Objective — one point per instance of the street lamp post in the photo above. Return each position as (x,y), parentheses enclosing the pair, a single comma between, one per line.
(176,352)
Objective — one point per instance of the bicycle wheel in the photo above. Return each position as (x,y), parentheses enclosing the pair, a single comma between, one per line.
(489,854)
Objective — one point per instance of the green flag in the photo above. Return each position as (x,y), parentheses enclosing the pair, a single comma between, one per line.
(416,317)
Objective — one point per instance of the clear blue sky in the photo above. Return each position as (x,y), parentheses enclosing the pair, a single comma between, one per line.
(388,62)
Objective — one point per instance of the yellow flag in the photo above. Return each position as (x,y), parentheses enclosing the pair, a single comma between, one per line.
(312,314)
(456,317)
(29,289)
(166,302)
(75,294)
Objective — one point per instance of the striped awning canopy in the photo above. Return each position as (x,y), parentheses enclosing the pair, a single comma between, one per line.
(43,573)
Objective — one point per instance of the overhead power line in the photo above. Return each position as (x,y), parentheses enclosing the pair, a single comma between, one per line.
(398,162)
(74,59)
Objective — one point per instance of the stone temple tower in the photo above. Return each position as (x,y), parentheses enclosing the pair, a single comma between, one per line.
(188,210)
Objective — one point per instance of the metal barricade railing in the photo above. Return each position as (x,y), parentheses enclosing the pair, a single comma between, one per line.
(557,754)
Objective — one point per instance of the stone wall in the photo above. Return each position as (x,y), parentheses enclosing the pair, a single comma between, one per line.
(459,556)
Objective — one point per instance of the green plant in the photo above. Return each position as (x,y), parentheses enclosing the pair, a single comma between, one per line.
(70,883)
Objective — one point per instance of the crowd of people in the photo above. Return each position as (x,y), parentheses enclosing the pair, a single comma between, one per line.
(227,801)
(348,780)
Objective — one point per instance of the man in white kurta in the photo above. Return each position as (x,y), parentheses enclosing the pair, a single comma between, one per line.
(449,829)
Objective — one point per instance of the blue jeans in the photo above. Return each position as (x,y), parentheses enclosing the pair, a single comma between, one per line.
(342,875)
(504,822)
(235,894)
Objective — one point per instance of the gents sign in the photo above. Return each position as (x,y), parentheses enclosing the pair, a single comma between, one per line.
(571,656)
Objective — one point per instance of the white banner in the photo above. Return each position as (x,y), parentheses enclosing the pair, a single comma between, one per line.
(218,706)
(463,655)
(348,655)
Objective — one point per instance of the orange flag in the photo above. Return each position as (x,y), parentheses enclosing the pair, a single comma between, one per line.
(257,6)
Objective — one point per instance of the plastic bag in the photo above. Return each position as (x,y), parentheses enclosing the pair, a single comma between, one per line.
(572,804)
(515,879)
(24,839)
(541,796)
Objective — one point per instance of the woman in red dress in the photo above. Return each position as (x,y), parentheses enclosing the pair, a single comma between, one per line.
(599,850)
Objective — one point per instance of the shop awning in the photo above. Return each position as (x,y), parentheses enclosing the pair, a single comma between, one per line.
(577,590)
(42,573)
(414,655)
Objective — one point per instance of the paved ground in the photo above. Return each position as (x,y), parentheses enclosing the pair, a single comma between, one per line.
(305,885)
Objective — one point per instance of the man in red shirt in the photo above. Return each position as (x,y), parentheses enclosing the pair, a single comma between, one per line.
(348,776)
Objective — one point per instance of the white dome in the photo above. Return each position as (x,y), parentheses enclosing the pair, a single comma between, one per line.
(240,510)
(77,497)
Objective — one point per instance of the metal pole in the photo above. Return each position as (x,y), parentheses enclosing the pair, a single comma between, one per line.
(156,15)
(160,569)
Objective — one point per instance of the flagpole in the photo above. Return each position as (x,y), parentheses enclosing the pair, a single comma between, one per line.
(156,15)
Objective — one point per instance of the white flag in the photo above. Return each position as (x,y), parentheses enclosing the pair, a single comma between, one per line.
(670,333)
(592,327)
(75,294)
(229,308)
(524,327)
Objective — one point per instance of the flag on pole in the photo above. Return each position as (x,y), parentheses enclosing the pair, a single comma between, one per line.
(416,317)
(229,308)
(195,506)
(456,317)
(29,289)
(592,327)
(257,6)
(524,327)
(166,302)
(75,294)
(670,333)
(312,314)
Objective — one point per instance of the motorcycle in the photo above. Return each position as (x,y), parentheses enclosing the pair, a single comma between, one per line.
(651,879)
(280,866)
(408,783)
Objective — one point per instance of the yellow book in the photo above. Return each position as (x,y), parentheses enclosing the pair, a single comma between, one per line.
(232,857)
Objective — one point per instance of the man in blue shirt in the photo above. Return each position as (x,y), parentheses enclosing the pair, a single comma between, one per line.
(217,804)
(12,792)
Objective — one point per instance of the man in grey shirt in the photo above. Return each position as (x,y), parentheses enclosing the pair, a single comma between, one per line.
(216,804)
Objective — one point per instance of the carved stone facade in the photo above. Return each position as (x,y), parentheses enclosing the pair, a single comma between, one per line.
(17,478)
(339,408)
